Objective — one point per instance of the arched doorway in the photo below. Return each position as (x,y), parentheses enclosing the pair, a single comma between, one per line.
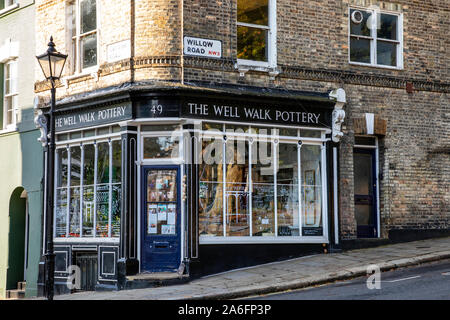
(17,238)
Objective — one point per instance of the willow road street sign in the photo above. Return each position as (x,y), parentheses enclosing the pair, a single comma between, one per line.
(202,47)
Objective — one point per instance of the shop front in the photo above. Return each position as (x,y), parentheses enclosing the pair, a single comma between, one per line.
(190,182)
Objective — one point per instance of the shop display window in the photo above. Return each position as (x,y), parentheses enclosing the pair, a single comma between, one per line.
(88,190)
(256,183)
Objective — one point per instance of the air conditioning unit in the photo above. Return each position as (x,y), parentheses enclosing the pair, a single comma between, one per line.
(357,17)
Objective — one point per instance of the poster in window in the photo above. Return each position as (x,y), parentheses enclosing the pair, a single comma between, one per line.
(171,214)
(152,219)
(168,229)
(162,212)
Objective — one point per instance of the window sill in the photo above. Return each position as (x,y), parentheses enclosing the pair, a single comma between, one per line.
(262,240)
(243,66)
(93,73)
(9,8)
(376,66)
(86,240)
(10,129)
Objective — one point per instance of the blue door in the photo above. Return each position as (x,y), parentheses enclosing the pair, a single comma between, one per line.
(161,245)
(365,183)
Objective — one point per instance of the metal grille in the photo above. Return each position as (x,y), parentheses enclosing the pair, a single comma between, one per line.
(88,266)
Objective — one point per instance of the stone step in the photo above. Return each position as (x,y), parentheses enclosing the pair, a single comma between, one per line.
(157,279)
(22,285)
(15,294)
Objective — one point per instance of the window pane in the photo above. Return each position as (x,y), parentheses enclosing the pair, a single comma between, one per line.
(387,53)
(161,147)
(89,50)
(252,43)
(103,163)
(287,190)
(74,213)
(61,213)
(75,166)
(74,203)
(7,86)
(88,190)
(361,29)
(211,189)
(116,209)
(89,133)
(102,210)
(116,161)
(88,15)
(237,189)
(89,165)
(287,132)
(363,174)
(310,134)
(388,27)
(103,131)
(360,50)
(234,128)
(311,190)
(88,211)
(263,200)
(263,131)
(212,126)
(62,168)
(253,11)
(9,106)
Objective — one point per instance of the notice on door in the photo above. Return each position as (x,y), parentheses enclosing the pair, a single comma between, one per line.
(202,47)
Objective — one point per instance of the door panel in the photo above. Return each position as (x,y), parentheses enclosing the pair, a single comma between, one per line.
(365,186)
(161,219)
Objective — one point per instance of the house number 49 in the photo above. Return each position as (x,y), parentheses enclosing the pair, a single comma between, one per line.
(157,109)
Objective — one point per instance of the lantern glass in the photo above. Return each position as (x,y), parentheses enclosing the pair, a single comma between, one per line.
(45,65)
(52,64)
(57,62)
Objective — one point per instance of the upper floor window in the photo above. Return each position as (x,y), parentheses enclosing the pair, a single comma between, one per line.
(376,38)
(10,94)
(84,35)
(7,3)
(256,32)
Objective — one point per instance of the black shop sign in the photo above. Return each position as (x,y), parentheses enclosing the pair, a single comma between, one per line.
(258,113)
(94,117)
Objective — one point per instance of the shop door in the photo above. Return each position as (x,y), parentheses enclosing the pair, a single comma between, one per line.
(161,219)
(365,193)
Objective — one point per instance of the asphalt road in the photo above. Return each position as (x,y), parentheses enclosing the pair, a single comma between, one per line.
(426,282)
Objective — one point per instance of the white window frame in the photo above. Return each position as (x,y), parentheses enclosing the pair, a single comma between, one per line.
(77,67)
(13,125)
(374,40)
(9,5)
(324,238)
(82,142)
(271,41)
(166,134)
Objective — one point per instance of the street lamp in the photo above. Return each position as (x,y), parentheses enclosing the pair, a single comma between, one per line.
(52,64)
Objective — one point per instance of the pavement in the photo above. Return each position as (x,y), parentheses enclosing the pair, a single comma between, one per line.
(287,275)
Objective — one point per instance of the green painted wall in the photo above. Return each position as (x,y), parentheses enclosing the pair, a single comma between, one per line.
(21,159)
